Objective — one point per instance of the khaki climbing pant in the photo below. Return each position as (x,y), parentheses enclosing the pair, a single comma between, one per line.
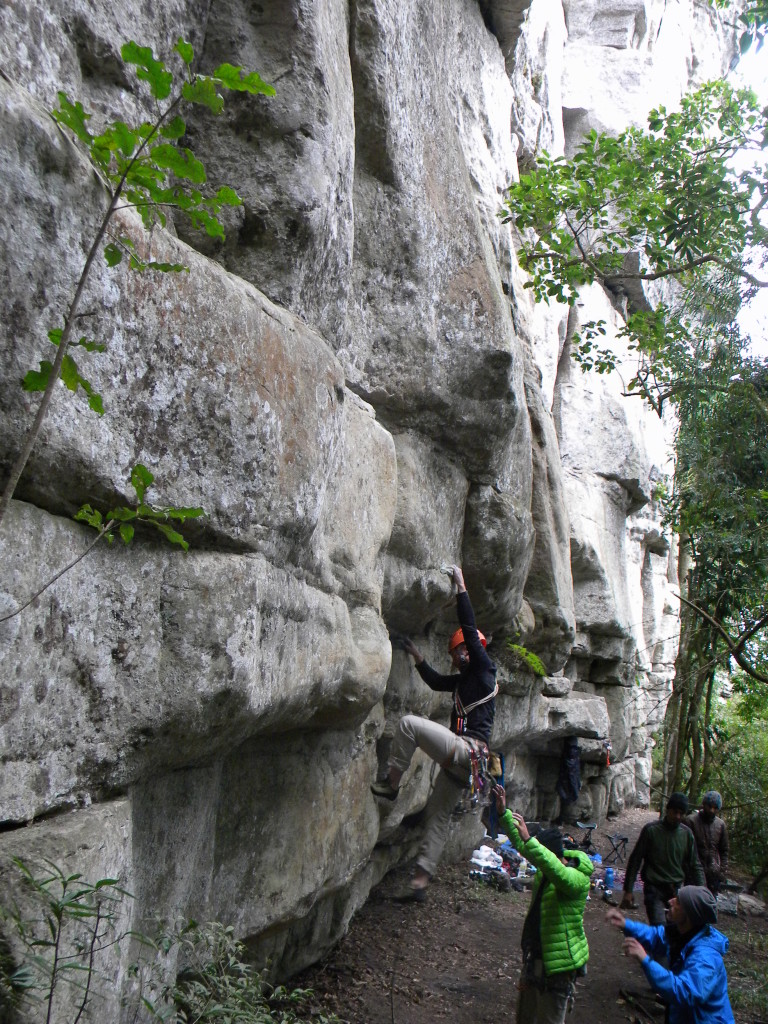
(452,753)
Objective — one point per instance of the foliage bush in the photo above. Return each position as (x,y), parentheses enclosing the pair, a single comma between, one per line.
(739,771)
(57,961)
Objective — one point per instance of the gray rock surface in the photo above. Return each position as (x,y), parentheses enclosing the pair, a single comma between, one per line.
(357,388)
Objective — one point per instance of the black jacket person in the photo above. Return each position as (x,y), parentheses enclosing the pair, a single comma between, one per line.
(474,706)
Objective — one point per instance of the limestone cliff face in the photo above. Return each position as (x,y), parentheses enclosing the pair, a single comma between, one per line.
(357,388)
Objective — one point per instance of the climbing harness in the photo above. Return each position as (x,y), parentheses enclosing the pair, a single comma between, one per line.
(462,711)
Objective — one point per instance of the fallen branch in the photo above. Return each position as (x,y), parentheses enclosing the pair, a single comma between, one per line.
(635,1000)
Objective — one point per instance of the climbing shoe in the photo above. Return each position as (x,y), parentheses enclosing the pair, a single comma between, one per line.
(411,895)
(384,790)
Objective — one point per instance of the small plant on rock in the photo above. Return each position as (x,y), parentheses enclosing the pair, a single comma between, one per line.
(527,659)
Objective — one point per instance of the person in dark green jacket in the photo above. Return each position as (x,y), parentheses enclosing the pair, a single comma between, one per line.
(665,855)
(555,948)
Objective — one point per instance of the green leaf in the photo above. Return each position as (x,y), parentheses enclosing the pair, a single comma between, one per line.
(71,378)
(184,50)
(150,69)
(126,531)
(38,380)
(175,129)
(181,512)
(94,400)
(90,515)
(122,137)
(74,117)
(122,514)
(167,268)
(182,162)
(237,79)
(203,92)
(205,221)
(141,479)
(89,346)
(170,534)
(113,254)
(227,196)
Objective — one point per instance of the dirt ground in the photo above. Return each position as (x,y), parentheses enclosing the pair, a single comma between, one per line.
(456,957)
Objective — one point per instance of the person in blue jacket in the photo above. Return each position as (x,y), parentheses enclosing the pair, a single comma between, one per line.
(695,987)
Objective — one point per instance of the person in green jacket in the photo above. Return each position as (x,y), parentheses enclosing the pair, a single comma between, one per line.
(665,855)
(555,949)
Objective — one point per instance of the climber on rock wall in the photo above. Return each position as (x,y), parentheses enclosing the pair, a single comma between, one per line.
(453,748)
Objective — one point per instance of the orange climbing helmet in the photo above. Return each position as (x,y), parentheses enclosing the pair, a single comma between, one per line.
(458,638)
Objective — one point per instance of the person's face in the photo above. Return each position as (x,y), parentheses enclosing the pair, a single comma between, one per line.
(676,915)
(460,656)
(674,816)
(709,811)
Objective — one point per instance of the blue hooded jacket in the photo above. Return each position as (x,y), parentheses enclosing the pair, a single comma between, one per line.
(696,986)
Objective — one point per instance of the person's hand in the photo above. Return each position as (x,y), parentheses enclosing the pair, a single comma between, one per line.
(615,917)
(631,947)
(627,902)
(501,798)
(522,828)
(457,577)
(410,648)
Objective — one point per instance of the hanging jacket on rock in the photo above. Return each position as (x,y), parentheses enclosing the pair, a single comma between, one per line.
(569,778)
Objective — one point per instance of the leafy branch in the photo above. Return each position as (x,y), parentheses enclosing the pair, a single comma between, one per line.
(736,646)
(125,517)
(156,517)
(754,19)
(145,168)
(669,193)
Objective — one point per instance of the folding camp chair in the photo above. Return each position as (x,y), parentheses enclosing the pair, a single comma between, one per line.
(618,848)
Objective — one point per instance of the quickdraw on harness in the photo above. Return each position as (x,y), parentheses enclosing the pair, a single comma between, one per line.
(480,782)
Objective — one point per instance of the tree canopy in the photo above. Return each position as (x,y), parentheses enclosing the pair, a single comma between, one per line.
(664,203)
(680,204)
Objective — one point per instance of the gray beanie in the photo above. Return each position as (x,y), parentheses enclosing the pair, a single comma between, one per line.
(714,798)
(699,904)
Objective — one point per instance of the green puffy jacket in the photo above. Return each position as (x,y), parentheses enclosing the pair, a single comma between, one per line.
(563,942)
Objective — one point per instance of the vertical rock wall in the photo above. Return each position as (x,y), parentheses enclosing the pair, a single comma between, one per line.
(357,388)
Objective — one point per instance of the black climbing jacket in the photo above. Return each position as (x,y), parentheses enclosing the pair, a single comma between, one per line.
(474,683)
